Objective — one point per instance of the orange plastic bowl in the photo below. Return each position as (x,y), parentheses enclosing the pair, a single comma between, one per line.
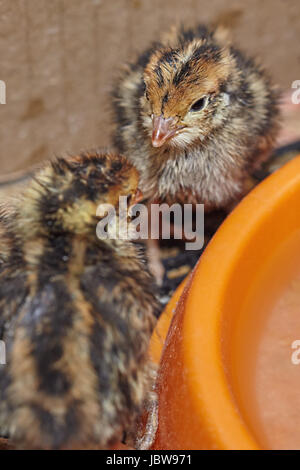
(208,359)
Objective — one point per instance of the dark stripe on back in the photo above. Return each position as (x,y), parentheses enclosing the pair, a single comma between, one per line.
(57,252)
(106,276)
(48,319)
(57,432)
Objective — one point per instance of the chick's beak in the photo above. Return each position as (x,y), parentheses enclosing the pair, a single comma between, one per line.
(163,129)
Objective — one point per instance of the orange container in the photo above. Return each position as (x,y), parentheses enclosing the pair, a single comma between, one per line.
(212,394)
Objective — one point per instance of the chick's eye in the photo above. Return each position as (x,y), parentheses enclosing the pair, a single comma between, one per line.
(200,104)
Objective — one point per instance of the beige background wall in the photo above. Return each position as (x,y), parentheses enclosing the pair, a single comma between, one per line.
(58,59)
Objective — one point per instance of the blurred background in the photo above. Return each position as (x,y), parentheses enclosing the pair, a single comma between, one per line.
(59,58)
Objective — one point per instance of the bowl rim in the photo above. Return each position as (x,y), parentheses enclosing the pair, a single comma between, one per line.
(212,381)
(201,346)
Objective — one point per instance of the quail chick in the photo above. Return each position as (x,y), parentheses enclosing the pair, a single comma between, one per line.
(196,117)
(76,311)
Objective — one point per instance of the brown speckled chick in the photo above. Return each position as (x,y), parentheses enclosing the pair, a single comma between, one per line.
(196,117)
(76,311)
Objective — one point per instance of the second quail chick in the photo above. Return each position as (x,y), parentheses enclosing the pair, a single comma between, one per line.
(196,117)
(76,311)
